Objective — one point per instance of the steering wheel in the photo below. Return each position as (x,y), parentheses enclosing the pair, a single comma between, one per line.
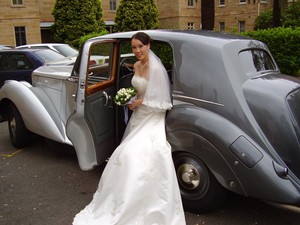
(127,66)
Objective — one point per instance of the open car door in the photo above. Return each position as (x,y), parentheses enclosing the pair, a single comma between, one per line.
(91,128)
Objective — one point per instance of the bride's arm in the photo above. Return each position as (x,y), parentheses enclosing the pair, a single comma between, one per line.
(135,103)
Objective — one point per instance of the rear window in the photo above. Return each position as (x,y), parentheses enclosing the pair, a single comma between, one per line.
(293,100)
(66,50)
(49,55)
(256,60)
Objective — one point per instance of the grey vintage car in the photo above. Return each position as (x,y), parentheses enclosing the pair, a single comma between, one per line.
(234,125)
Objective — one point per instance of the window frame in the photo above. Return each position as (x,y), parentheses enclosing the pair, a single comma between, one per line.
(112,5)
(242,26)
(222,26)
(191,26)
(17,3)
(191,3)
(221,2)
(20,35)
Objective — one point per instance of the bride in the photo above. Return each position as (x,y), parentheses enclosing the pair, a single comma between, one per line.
(138,185)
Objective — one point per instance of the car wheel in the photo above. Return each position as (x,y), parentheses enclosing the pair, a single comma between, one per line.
(19,135)
(200,190)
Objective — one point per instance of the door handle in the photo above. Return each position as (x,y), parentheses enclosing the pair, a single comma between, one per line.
(107,98)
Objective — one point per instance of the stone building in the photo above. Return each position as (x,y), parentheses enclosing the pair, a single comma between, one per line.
(29,21)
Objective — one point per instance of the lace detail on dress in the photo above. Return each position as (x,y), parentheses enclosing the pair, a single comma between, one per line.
(117,203)
(158,106)
(117,162)
(139,221)
(140,84)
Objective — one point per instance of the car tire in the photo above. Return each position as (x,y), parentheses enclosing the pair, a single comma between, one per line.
(19,134)
(200,190)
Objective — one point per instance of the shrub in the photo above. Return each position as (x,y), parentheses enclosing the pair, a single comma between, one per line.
(291,17)
(91,35)
(264,21)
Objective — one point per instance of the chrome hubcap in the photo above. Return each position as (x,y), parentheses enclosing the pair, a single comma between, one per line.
(189,176)
(12,125)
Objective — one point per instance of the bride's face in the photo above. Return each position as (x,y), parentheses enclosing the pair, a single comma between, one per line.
(140,50)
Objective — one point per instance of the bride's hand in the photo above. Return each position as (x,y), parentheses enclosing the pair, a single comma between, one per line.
(135,104)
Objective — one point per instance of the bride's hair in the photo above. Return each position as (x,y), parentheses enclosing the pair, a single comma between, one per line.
(142,37)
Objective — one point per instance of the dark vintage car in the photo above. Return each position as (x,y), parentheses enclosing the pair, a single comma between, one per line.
(234,125)
(18,64)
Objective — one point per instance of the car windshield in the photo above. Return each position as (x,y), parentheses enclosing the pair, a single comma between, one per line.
(66,50)
(255,60)
(49,55)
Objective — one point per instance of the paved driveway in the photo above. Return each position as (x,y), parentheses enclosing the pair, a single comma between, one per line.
(39,186)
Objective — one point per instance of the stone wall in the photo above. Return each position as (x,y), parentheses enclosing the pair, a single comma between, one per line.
(175,14)
(16,16)
(234,12)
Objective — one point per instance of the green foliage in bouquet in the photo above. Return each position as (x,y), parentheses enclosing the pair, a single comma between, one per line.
(124,95)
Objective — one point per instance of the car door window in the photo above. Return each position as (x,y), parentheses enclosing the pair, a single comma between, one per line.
(99,63)
(13,62)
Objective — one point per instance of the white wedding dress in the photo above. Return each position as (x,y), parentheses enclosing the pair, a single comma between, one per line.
(138,185)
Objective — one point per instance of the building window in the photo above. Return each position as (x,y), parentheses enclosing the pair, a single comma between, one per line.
(242,26)
(112,5)
(222,26)
(191,25)
(264,1)
(242,1)
(191,3)
(17,2)
(20,34)
(221,2)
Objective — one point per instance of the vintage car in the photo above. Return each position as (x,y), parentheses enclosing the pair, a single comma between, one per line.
(234,125)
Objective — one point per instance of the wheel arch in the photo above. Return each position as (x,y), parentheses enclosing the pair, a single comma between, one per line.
(203,134)
(4,109)
(221,145)
(36,109)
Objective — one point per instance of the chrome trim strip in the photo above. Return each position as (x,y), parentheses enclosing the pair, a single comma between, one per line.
(180,97)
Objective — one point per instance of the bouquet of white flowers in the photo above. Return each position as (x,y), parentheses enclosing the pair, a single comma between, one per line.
(125,96)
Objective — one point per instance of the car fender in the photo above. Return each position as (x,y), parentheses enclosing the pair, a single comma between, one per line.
(226,150)
(187,131)
(36,109)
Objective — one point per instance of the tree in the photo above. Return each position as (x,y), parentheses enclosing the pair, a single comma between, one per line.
(76,18)
(276,13)
(291,17)
(264,21)
(136,15)
(207,14)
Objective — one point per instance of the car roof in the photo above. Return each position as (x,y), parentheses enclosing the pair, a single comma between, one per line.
(41,44)
(179,33)
(14,50)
